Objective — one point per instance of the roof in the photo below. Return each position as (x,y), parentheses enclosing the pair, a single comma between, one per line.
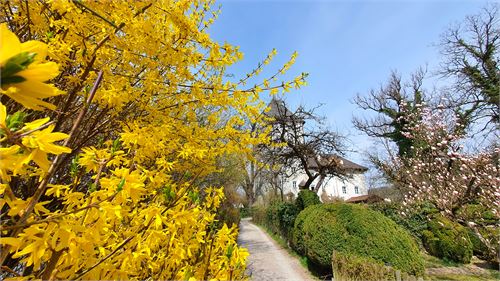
(364,199)
(348,164)
(345,164)
(278,110)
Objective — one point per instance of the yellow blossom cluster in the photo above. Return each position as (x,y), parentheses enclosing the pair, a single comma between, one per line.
(108,183)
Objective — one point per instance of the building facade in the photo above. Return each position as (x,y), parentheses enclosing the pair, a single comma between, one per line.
(352,185)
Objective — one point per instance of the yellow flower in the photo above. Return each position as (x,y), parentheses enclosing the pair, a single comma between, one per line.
(3,116)
(23,71)
(41,143)
(11,160)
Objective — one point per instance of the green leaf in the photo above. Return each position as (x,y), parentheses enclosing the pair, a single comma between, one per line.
(116,146)
(74,167)
(16,64)
(120,185)
(229,251)
(15,121)
(12,80)
(168,193)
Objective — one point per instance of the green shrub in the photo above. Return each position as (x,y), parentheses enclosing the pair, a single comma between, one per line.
(297,239)
(354,229)
(415,219)
(245,212)
(349,267)
(272,217)
(447,240)
(306,198)
(488,252)
(287,212)
(280,218)
(259,215)
(478,214)
(229,215)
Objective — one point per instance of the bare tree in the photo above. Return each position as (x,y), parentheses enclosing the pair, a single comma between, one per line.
(392,102)
(253,182)
(472,59)
(312,149)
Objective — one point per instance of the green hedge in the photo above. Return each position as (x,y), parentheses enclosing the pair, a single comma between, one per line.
(245,212)
(349,267)
(278,217)
(447,240)
(259,215)
(354,229)
(287,213)
(415,221)
(306,198)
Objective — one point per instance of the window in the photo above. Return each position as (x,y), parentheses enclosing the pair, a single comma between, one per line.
(294,183)
(356,190)
(344,189)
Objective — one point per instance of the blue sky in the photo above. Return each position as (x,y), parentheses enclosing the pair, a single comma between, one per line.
(347,47)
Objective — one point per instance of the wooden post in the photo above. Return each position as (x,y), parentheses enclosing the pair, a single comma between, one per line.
(398,275)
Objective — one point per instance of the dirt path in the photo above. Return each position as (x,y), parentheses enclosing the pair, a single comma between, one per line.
(268,261)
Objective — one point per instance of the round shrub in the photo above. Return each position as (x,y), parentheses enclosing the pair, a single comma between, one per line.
(478,214)
(348,228)
(306,198)
(245,212)
(297,241)
(488,252)
(447,240)
(415,219)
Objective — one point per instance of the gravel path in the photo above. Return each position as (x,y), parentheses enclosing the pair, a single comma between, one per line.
(268,261)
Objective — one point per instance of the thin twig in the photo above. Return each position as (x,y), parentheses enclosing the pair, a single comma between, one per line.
(43,185)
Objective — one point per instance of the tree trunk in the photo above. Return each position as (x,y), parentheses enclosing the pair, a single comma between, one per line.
(309,181)
(320,182)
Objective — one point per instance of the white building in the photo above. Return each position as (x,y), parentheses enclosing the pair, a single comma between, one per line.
(352,185)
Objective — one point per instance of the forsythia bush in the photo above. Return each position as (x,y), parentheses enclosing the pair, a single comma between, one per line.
(138,94)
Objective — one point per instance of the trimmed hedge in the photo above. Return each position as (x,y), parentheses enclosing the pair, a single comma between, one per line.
(447,240)
(347,228)
(349,267)
(278,217)
(415,221)
(287,212)
(306,198)
(245,212)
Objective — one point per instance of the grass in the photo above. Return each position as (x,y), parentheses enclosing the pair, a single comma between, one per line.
(447,270)
(459,277)
(433,262)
